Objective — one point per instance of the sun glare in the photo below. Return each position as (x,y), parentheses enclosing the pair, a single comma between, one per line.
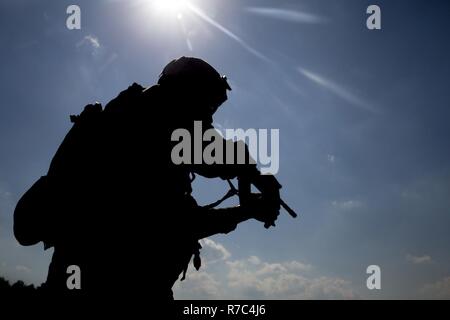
(174,16)
(170,7)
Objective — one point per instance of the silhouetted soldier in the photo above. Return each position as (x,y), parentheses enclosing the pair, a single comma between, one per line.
(114,203)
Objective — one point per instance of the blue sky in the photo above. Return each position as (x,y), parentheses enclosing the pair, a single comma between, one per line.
(363,118)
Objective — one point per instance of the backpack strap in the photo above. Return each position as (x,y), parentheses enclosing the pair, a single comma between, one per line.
(197,260)
(231,192)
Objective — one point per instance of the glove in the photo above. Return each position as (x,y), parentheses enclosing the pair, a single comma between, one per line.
(263,209)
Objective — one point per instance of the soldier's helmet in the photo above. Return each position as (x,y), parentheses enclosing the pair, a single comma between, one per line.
(196,81)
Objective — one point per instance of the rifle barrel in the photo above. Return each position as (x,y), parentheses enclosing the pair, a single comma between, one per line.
(288,209)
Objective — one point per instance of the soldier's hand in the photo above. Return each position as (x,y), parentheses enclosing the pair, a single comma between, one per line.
(263,209)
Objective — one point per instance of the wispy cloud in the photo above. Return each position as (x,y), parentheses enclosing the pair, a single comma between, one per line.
(89,40)
(4,193)
(110,60)
(6,207)
(285,14)
(90,43)
(347,205)
(437,290)
(418,259)
(336,89)
(331,158)
(197,11)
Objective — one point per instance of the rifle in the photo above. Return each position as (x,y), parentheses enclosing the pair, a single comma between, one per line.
(269,187)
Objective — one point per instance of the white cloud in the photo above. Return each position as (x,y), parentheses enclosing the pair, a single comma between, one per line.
(297,266)
(198,285)
(285,280)
(437,290)
(213,251)
(254,260)
(337,90)
(23,269)
(253,278)
(347,205)
(418,259)
(285,15)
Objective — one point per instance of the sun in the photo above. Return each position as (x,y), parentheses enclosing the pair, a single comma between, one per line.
(170,7)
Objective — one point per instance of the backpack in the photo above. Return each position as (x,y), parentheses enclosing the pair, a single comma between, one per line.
(34,213)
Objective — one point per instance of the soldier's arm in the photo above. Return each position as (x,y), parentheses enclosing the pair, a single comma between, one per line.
(208,222)
(216,221)
(241,163)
